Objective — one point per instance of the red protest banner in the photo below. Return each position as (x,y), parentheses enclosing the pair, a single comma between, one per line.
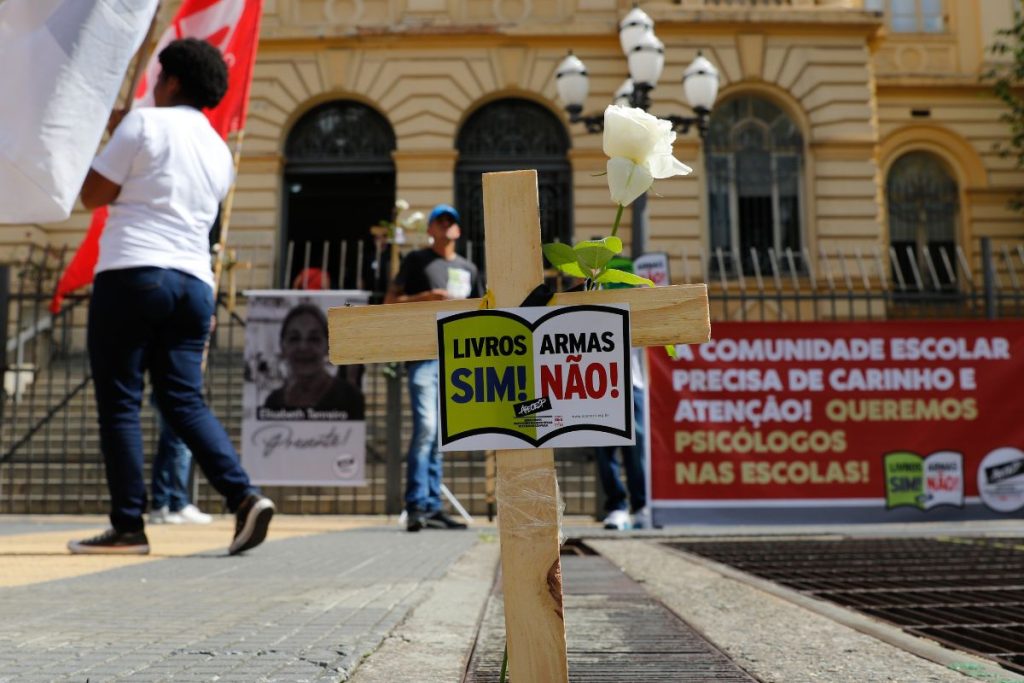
(884,415)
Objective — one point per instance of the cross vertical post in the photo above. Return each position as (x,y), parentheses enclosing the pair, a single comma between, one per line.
(528,523)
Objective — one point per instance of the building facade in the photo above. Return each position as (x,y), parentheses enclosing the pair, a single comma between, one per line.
(841,127)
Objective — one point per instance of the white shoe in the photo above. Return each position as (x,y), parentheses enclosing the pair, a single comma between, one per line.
(164,516)
(617,519)
(190,514)
(642,518)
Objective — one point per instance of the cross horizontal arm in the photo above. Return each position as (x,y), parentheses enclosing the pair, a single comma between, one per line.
(399,332)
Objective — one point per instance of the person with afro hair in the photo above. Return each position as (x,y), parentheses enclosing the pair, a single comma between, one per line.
(163,174)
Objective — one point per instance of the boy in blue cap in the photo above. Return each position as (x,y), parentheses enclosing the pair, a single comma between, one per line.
(435,273)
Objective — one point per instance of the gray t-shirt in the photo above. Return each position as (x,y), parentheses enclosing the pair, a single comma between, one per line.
(425,269)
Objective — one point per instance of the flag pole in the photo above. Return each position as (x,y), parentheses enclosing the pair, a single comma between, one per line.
(145,51)
(220,248)
(222,241)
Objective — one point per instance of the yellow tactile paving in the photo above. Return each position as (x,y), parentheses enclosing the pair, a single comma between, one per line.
(43,556)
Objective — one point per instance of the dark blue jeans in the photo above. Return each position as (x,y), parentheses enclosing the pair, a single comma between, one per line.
(632,462)
(172,465)
(423,461)
(154,319)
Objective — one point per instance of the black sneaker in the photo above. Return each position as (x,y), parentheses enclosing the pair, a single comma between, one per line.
(415,521)
(112,542)
(252,519)
(439,520)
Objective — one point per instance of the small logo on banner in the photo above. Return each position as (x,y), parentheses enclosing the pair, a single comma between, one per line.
(530,407)
(999,473)
(924,482)
(1001,479)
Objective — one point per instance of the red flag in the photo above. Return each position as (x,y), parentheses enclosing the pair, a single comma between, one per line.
(233,26)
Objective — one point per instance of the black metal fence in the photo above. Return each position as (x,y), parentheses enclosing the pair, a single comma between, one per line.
(49,444)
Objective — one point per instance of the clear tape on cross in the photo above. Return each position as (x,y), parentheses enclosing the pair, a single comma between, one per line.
(522,501)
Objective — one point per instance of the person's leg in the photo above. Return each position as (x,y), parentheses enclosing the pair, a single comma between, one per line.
(616,516)
(126,308)
(181,465)
(171,464)
(176,372)
(435,468)
(160,490)
(634,460)
(611,481)
(633,463)
(421,457)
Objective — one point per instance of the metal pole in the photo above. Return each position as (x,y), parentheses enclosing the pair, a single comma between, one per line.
(393,421)
(988,267)
(5,301)
(639,226)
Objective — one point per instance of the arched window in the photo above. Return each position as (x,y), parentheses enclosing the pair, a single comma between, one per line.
(339,181)
(923,203)
(754,157)
(509,135)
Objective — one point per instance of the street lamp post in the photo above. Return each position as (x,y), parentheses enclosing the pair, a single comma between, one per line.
(646,58)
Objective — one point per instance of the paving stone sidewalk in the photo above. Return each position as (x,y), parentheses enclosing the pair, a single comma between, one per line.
(300,609)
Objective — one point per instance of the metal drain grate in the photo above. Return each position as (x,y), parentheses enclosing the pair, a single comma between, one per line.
(966,593)
(615,631)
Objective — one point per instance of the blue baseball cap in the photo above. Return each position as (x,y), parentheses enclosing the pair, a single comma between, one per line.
(441,210)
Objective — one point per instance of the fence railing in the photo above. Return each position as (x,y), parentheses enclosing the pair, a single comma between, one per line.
(49,444)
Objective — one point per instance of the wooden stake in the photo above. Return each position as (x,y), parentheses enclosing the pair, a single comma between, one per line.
(528,506)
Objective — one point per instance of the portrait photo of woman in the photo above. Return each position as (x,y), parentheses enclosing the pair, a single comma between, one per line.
(309,381)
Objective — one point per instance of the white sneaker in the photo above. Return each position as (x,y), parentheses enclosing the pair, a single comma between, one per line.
(642,518)
(617,519)
(164,516)
(190,514)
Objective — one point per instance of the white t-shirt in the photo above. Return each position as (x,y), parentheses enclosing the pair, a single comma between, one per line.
(174,170)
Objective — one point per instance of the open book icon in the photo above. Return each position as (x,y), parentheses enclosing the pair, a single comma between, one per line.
(924,482)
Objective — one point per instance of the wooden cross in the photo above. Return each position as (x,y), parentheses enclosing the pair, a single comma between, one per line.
(528,520)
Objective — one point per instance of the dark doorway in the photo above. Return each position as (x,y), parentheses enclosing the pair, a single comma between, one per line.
(508,135)
(339,182)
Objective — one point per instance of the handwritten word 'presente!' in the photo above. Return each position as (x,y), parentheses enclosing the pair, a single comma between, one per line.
(476,347)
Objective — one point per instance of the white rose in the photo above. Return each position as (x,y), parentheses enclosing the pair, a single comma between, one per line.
(639,147)
(401,205)
(415,221)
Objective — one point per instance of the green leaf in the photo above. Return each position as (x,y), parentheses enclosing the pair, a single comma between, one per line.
(613,244)
(615,276)
(558,253)
(572,269)
(671,351)
(563,257)
(595,254)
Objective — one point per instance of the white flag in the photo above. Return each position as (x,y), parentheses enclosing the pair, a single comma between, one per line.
(63,62)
